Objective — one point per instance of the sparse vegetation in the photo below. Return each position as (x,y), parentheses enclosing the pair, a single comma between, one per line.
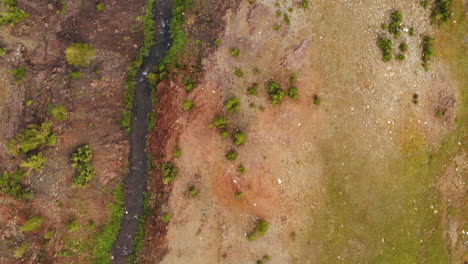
(177,152)
(385,46)
(293,93)
(235,52)
(231,155)
(79,54)
(424,3)
(305,3)
(19,251)
(2,52)
(261,227)
(251,236)
(317,100)
(441,11)
(187,105)
(11,14)
(10,184)
(33,224)
(58,112)
(394,27)
(427,51)
(239,138)
(193,191)
(239,195)
(166,217)
(238,72)
(415,98)
(411,31)
(99,7)
(232,104)
(403,47)
(74,75)
(169,172)
(292,77)
(276,27)
(35,162)
(219,122)
(400,57)
(81,161)
(252,90)
(35,136)
(224,134)
(240,169)
(18,73)
(275,92)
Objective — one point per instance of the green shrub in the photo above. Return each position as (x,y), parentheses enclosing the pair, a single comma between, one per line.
(384,26)
(35,162)
(235,52)
(252,90)
(240,169)
(232,104)
(293,93)
(73,225)
(126,120)
(79,54)
(219,122)
(292,77)
(177,153)
(424,3)
(224,134)
(99,7)
(251,236)
(239,138)
(189,84)
(74,75)
(19,251)
(166,217)
(427,51)
(385,46)
(12,15)
(411,31)
(261,227)
(239,195)
(33,224)
(231,155)
(18,73)
(266,258)
(305,3)
(58,112)
(400,57)
(403,47)
(192,191)
(10,184)
(81,161)
(150,124)
(286,19)
(2,52)
(441,11)
(33,137)
(275,92)
(187,105)
(317,100)
(394,26)
(169,172)
(238,72)
(276,27)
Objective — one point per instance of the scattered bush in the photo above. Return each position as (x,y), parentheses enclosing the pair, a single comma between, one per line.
(427,51)
(232,104)
(33,224)
(219,122)
(293,93)
(187,105)
(251,236)
(10,184)
(166,217)
(261,227)
(12,15)
(411,31)
(317,100)
(394,26)
(241,169)
(81,161)
(239,138)
(169,172)
(235,52)
(192,191)
(400,57)
(33,137)
(238,72)
(79,54)
(275,92)
(385,46)
(276,27)
(189,84)
(177,153)
(252,90)
(403,47)
(224,134)
(18,73)
(58,112)
(35,162)
(441,11)
(231,155)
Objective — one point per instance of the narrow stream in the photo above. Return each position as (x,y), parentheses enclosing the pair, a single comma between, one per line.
(136,180)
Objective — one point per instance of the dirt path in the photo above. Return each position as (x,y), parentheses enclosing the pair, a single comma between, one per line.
(136,180)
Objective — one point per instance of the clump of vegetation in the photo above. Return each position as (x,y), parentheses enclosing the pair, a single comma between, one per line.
(403,47)
(240,169)
(73,225)
(193,191)
(292,77)
(238,72)
(126,120)
(385,46)
(286,19)
(293,93)
(99,7)
(10,184)
(252,1)
(238,138)
(18,73)
(58,112)
(252,90)
(177,152)
(400,57)
(264,259)
(224,134)
(305,3)
(12,15)
(187,105)
(33,137)
(276,27)
(317,100)
(19,251)
(189,84)
(231,155)
(169,172)
(427,51)
(33,224)
(261,227)
(232,104)
(239,195)
(275,92)
(415,98)
(35,162)
(441,11)
(411,31)
(235,52)
(251,236)
(219,122)
(166,217)
(2,52)
(424,3)
(79,54)
(81,161)
(394,27)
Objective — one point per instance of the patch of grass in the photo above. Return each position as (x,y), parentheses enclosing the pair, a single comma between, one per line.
(10,184)
(166,217)
(238,137)
(411,31)
(224,134)
(241,169)
(276,27)
(193,191)
(105,237)
(252,90)
(79,54)
(231,155)
(18,73)
(385,46)
(126,120)
(99,7)
(187,105)
(232,104)
(441,11)
(275,92)
(403,47)
(73,225)
(424,3)
(169,172)
(177,30)
(238,72)
(35,162)
(238,195)
(33,137)
(293,93)
(177,152)
(251,236)
(305,3)
(33,224)
(138,241)
(74,75)
(19,251)
(235,52)
(11,14)
(151,120)
(58,112)
(219,122)
(427,51)
(2,52)
(81,161)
